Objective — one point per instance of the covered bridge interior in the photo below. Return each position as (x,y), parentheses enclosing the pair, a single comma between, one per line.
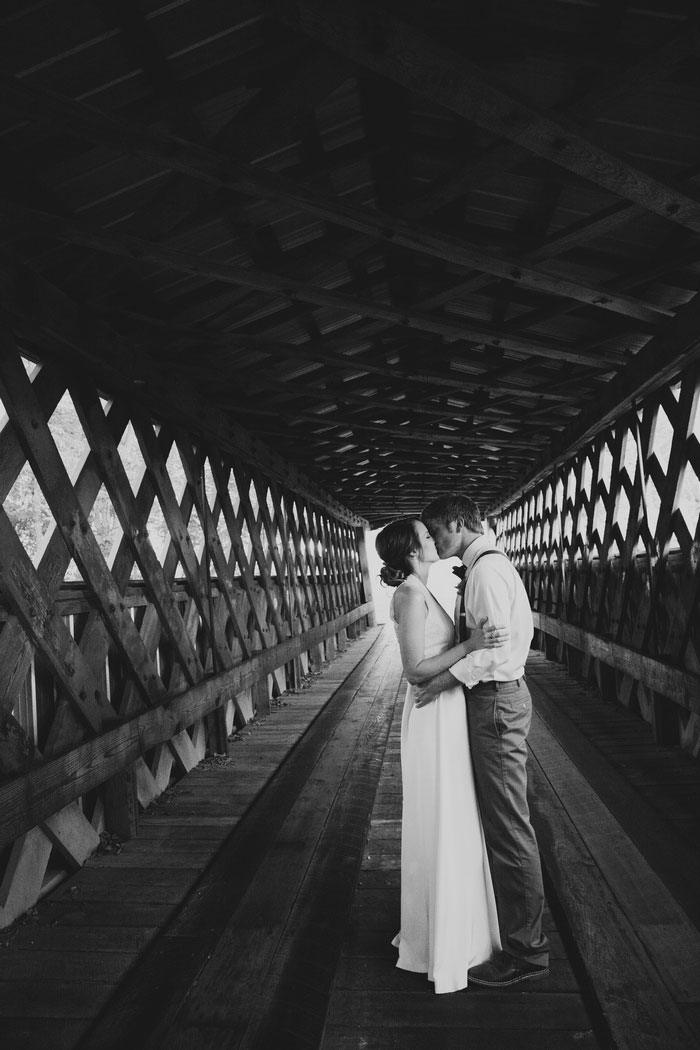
(272,274)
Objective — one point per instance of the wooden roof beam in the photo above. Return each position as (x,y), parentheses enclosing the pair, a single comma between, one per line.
(427,384)
(204,164)
(428,387)
(652,67)
(143,50)
(266,119)
(263,121)
(412,436)
(408,406)
(72,231)
(653,367)
(674,258)
(65,331)
(393,49)
(366,332)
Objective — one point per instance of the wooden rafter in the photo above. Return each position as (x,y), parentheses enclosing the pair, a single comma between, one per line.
(649,69)
(660,362)
(391,48)
(200,163)
(329,352)
(54,315)
(130,247)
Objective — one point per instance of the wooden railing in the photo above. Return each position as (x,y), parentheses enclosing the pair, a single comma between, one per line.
(158,587)
(179,724)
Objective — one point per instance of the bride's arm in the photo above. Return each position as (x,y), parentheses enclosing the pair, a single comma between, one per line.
(410,611)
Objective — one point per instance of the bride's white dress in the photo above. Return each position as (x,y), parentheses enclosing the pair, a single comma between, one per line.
(448,909)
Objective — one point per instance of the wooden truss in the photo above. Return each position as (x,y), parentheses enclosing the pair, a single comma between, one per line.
(173,590)
(609,546)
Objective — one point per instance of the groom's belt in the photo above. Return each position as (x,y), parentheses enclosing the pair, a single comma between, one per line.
(495,686)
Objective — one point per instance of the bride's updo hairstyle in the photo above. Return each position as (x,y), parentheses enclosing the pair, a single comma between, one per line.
(394,544)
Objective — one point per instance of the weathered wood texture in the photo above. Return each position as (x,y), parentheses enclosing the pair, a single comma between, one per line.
(403,244)
(624,870)
(374,1004)
(414,247)
(257,906)
(157,591)
(219,865)
(608,546)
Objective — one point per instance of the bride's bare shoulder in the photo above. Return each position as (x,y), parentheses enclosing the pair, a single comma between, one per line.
(407,597)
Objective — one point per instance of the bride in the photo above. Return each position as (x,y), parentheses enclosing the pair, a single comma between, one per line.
(448,910)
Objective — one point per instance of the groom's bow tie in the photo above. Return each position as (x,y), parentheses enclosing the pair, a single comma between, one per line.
(460,570)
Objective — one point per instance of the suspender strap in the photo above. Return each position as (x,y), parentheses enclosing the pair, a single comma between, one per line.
(462,621)
(483,554)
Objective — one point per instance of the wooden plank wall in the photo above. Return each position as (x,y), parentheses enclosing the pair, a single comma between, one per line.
(608,547)
(156,590)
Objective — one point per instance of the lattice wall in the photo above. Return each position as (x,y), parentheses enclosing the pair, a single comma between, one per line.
(609,546)
(155,591)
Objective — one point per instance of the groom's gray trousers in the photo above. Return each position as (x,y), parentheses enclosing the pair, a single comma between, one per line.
(499,716)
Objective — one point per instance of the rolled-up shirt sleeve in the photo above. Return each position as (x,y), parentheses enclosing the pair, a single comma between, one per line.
(489,596)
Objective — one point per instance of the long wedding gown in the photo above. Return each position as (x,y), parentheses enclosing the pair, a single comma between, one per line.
(448,909)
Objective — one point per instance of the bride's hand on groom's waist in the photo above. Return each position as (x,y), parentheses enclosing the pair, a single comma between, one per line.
(427,692)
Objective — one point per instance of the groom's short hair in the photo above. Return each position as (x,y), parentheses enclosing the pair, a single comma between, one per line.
(445,509)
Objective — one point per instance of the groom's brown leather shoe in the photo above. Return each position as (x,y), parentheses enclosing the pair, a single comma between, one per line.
(503,969)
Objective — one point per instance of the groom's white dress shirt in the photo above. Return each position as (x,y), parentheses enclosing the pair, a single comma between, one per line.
(494,590)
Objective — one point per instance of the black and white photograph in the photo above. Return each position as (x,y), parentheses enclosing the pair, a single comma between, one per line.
(349,525)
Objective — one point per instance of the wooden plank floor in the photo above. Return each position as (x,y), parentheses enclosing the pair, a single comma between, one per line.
(256,909)
(376,1006)
(624,870)
(275,972)
(652,789)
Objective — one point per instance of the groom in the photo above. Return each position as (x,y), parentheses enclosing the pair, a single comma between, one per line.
(499,710)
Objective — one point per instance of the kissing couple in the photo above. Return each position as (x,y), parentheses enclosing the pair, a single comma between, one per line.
(471,879)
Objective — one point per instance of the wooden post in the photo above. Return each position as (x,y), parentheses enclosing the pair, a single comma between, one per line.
(665,720)
(366,596)
(607,681)
(316,657)
(294,674)
(551,648)
(217,735)
(261,697)
(573,660)
(260,692)
(121,804)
